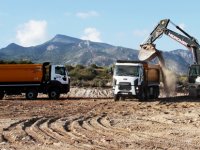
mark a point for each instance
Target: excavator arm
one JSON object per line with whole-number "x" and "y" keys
{"x": 158, "y": 31}
{"x": 148, "y": 50}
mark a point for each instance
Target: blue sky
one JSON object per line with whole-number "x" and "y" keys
{"x": 118, "y": 22}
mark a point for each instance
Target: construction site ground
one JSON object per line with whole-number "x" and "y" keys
{"x": 89, "y": 119}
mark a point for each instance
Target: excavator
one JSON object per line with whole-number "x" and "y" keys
{"x": 148, "y": 52}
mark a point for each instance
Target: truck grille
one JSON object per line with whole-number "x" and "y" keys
{"x": 125, "y": 86}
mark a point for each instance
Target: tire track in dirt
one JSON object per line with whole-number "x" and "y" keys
{"x": 110, "y": 125}
{"x": 16, "y": 132}
{"x": 83, "y": 132}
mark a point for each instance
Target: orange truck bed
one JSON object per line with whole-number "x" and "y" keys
{"x": 21, "y": 73}
{"x": 152, "y": 73}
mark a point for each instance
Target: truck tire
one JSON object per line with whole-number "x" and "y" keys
{"x": 142, "y": 96}
{"x": 1, "y": 95}
{"x": 116, "y": 97}
{"x": 54, "y": 93}
{"x": 154, "y": 93}
{"x": 31, "y": 94}
{"x": 157, "y": 92}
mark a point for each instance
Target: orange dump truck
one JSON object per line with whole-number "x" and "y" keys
{"x": 32, "y": 79}
{"x": 135, "y": 79}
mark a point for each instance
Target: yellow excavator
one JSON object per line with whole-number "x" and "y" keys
{"x": 148, "y": 51}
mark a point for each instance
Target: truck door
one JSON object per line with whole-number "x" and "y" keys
{"x": 59, "y": 73}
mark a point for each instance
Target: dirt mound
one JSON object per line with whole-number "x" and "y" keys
{"x": 90, "y": 92}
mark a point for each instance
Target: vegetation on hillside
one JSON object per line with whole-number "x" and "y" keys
{"x": 90, "y": 76}
{"x": 16, "y": 62}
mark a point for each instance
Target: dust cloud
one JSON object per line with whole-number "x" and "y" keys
{"x": 169, "y": 81}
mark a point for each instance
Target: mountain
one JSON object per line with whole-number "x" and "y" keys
{"x": 68, "y": 50}
{"x": 178, "y": 60}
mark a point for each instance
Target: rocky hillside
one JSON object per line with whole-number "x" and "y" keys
{"x": 68, "y": 50}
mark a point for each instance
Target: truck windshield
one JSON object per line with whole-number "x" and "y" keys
{"x": 121, "y": 70}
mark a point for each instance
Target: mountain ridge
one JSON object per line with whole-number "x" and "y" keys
{"x": 62, "y": 49}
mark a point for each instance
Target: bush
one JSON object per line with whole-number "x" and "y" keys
{"x": 92, "y": 76}
{"x": 79, "y": 67}
{"x": 16, "y": 62}
{"x": 69, "y": 67}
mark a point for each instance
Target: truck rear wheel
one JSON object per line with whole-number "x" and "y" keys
{"x": 1, "y": 95}
{"x": 54, "y": 93}
{"x": 31, "y": 94}
{"x": 154, "y": 92}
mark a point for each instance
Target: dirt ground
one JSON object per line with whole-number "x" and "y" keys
{"x": 89, "y": 119}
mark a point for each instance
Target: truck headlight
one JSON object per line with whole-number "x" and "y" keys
{"x": 136, "y": 89}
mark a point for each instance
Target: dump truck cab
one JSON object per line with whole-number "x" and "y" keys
{"x": 59, "y": 73}
{"x": 131, "y": 79}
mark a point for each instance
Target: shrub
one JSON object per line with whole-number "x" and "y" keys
{"x": 89, "y": 76}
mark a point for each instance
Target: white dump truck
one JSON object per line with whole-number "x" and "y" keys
{"x": 135, "y": 79}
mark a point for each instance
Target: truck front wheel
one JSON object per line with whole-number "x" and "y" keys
{"x": 1, "y": 95}
{"x": 116, "y": 97}
{"x": 54, "y": 93}
{"x": 31, "y": 94}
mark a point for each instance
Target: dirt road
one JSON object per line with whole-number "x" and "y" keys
{"x": 99, "y": 123}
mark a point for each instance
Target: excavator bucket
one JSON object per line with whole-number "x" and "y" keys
{"x": 147, "y": 52}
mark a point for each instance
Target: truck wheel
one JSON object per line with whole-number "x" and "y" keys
{"x": 157, "y": 92}
{"x": 193, "y": 92}
{"x": 31, "y": 94}
{"x": 142, "y": 96}
{"x": 154, "y": 93}
{"x": 1, "y": 95}
{"x": 54, "y": 94}
{"x": 116, "y": 97}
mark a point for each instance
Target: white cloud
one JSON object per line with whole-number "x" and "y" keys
{"x": 140, "y": 33}
{"x": 91, "y": 34}
{"x": 32, "y": 32}
{"x": 85, "y": 15}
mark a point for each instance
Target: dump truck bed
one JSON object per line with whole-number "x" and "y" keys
{"x": 19, "y": 73}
